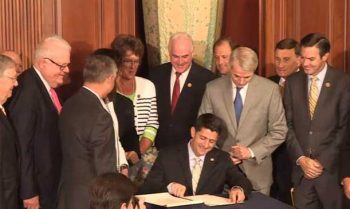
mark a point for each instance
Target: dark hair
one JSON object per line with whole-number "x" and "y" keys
{"x": 124, "y": 43}
{"x": 289, "y": 43}
{"x": 211, "y": 122}
{"x": 227, "y": 39}
{"x": 110, "y": 191}
{"x": 106, "y": 52}
{"x": 97, "y": 68}
{"x": 318, "y": 40}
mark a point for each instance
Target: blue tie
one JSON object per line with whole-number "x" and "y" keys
{"x": 238, "y": 104}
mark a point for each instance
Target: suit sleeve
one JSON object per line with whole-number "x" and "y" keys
{"x": 103, "y": 145}
{"x": 277, "y": 128}
{"x": 155, "y": 181}
{"x": 206, "y": 106}
{"x": 236, "y": 178}
{"x": 294, "y": 148}
{"x": 23, "y": 113}
{"x": 341, "y": 130}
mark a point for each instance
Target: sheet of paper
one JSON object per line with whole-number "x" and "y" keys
{"x": 211, "y": 200}
{"x": 168, "y": 200}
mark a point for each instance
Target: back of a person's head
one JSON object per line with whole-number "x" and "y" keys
{"x": 111, "y": 191}
{"x": 97, "y": 68}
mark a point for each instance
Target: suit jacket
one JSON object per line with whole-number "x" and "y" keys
{"x": 174, "y": 128}
{"x": 321, "y": 137}
{"x": 9, "y": 166}
{"x": 88, "y": 147}
{"x": 35, "y": 119}
{"x": 172, "y": 165}
{"x": 262, "y": 125}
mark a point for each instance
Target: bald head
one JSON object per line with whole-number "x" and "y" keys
{"x": 16, "y": 58}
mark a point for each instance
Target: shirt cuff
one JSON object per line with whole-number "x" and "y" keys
{"x": 297, "y": 161}
{"x": 150, "y": 133}
{"x": 238, "y": 187}
{"x": 252, "y": 155}
{"x": 169, "y": 187}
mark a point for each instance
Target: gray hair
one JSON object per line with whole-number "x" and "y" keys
{"x": 246, "y": 58}
{"x": 180, "y": 35}
{"x": 46, "y": 48}
{"x": 98, "y": 68}
{"x": 6, "y": 63}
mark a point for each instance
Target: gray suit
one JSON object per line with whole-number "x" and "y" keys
{"x": 262, "y": 126}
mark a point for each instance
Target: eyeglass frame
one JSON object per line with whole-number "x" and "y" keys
{"x": 130, "y": 62}
{"x": 61, "y": 67}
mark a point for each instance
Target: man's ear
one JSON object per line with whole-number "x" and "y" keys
{"x": 193, "y": 132}
{"x": 325, "y": 57}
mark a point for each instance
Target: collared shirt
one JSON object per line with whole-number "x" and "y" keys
{"x": 320, "y": 78}
{"x": 46, "y": 84}
{"x": 242, "y": 92}
{"x": 120, "y": 153}
{"x": 192, "y": 157}
{"x": 99, "y": 98}
{"x": 182, "y": 79}
{"x": 2, "y": 109}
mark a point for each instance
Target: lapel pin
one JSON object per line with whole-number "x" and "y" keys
{"x": 189, "y": 85}
{"x": 212, "y": 159}
{"x": 328, "y": 84}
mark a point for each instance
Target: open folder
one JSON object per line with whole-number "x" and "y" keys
{"x": 167, "y": 200}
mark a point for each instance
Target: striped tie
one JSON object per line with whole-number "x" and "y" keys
{"x": 196, "y": 172}
{"x": 313, "y": 96}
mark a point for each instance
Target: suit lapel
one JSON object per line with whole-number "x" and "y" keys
{"x": 45, "y": 94}
{"x": 250, "y": 99}
{"x": 185, "y": 165}
{"x": 228, "y": 100}
{"x": 209, "y": 164}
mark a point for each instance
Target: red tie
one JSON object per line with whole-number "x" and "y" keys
{"x": 176, "y": 92}
{"x": 55, "y": 100}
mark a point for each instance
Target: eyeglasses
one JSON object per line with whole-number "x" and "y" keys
{"x": 129, "y": 62}
{"x": 62, "y": 67}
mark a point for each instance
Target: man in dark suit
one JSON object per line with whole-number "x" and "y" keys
{"x": 9, "y": 174}
{"x": 87, "y": 134}
{"x": 34, "y": 111}
{"x": 175, "y": 168}
{"x": 287, "y": 61}
{"x": 180, "y": 85}
{"x": 345, "y": 172}
{"x": 317, "y": 110}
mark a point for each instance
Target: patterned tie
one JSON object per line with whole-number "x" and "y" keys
{"x": 196, "y": 173}
{"x": 176, "y": 92}
{"x": 282, "y": 85}
{"x": 55, "y": 100}
{"x": 313, "y": 96}
{"x": 238, "y": 104}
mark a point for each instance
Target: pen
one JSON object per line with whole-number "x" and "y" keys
{"x": 184, "y": 198}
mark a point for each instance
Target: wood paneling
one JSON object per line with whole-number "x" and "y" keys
{"x": 24, "y": 23}
{"x": 296, "y": 18}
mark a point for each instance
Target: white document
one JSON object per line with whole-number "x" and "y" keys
{"x": 167, "y": 200}
{"x": 211, "y": 200}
